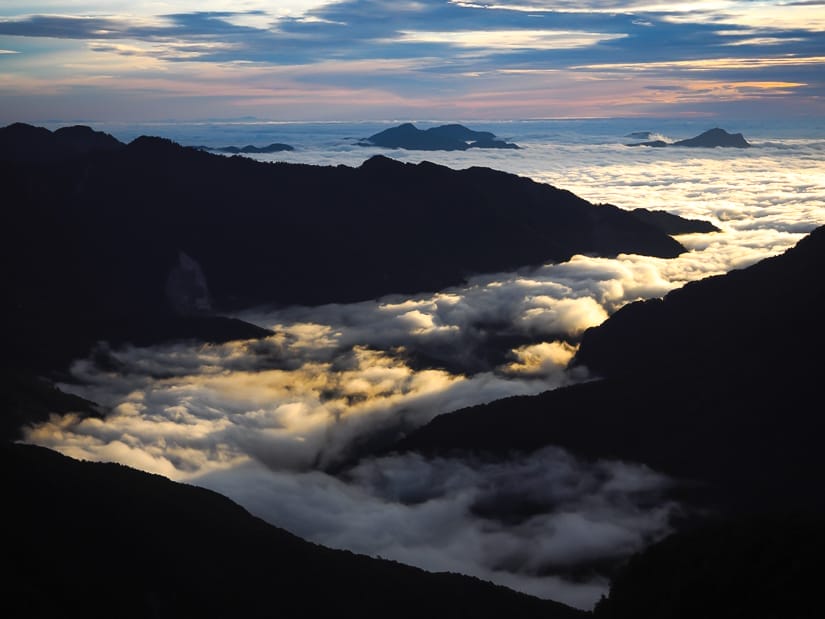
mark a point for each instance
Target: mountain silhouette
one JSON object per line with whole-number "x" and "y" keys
{"x": 23, "y": 142}
{"x": 444, "y": 137}
{"x": 746, "y": 567}
{"x": 709, "y": 139}
{"x": 100, "y": 234}
{"x": 102, "y": 540}
{"x": 275, "y": 147}
{"x": 674, "y": 224}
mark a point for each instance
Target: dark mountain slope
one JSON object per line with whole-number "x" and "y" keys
{"x": 765, "y": 319}
{"x": 750, "y": 567}
{"x": 674, "y": 224}
{"x": 718, "y": 384}
{"x": 91, "y": 243}
{"x": 102, "y": 540}
{"x": 26, "y": 399}
{"x": 22, "y": 142}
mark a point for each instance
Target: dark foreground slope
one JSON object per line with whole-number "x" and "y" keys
{"x": 309, "y": 234}
{"x": 762, "y": 320}
{"x": 751, "y": 567}
{"x": 718, "y": 384}
{"x": 102, "y": 540}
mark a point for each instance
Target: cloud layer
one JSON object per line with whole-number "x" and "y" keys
{"x": 546, "y": 524}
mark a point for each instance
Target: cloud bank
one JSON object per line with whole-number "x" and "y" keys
{"x": 546, "y": 524}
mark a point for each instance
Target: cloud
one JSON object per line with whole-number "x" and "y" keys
{"x": 508, "y": 39}
{"x": 541, "y": 358}
{"x": 542, "y": 523}
{"x": 304, "y": 398}
{"x": 369, "y": 29}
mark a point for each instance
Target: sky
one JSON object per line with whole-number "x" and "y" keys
{"x": 98, "y": 60}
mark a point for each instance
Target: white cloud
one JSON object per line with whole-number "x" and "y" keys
{"x": 509, "y": 39}
{"x": 470, "y": 516}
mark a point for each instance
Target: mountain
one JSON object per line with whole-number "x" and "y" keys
{"x": 715, "y": 137}
{"x": 673, "y": 224}
{"x": 730, "y": 324}
{"x": 716, "y": 385}
{"x": 275, "y": 147}
{"x": 27, "y": 399}
{"x": 102, "y": 540}
{"x": 747, "y": 567}
{"x": 22, "y": 142}
{"x": 444, "y": 137}
{"x": 709, "y": 139}
{"x": 136, "y": 242}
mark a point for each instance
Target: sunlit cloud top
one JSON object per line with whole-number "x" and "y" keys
{"x": 121, "y": 60}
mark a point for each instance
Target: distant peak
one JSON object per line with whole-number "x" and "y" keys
{"x": 708, "y": 139}
{"x": 146, "y": 142}
{"x": 377, "y": 162}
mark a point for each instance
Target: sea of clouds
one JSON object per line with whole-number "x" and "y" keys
{"x": 295, "y": 426}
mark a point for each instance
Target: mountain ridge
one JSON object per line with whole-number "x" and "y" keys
{"x": 187, "y": 551}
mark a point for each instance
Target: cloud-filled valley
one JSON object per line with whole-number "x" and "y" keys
{"x": 293, "y": 425}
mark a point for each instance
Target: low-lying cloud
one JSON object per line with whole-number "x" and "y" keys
{"x": 291, "y": 404}
{"x": 546, "y": 524}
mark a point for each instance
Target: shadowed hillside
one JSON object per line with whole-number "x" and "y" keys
{"x": 750, "y": 567}
{"x": 103, "y": 540}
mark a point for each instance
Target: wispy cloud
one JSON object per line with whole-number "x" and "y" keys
{"x": 509, "y": 39}
{"x": 712, "y": 64}
{"x": 439, "y": 47}
{"x": 542, "y": 523}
